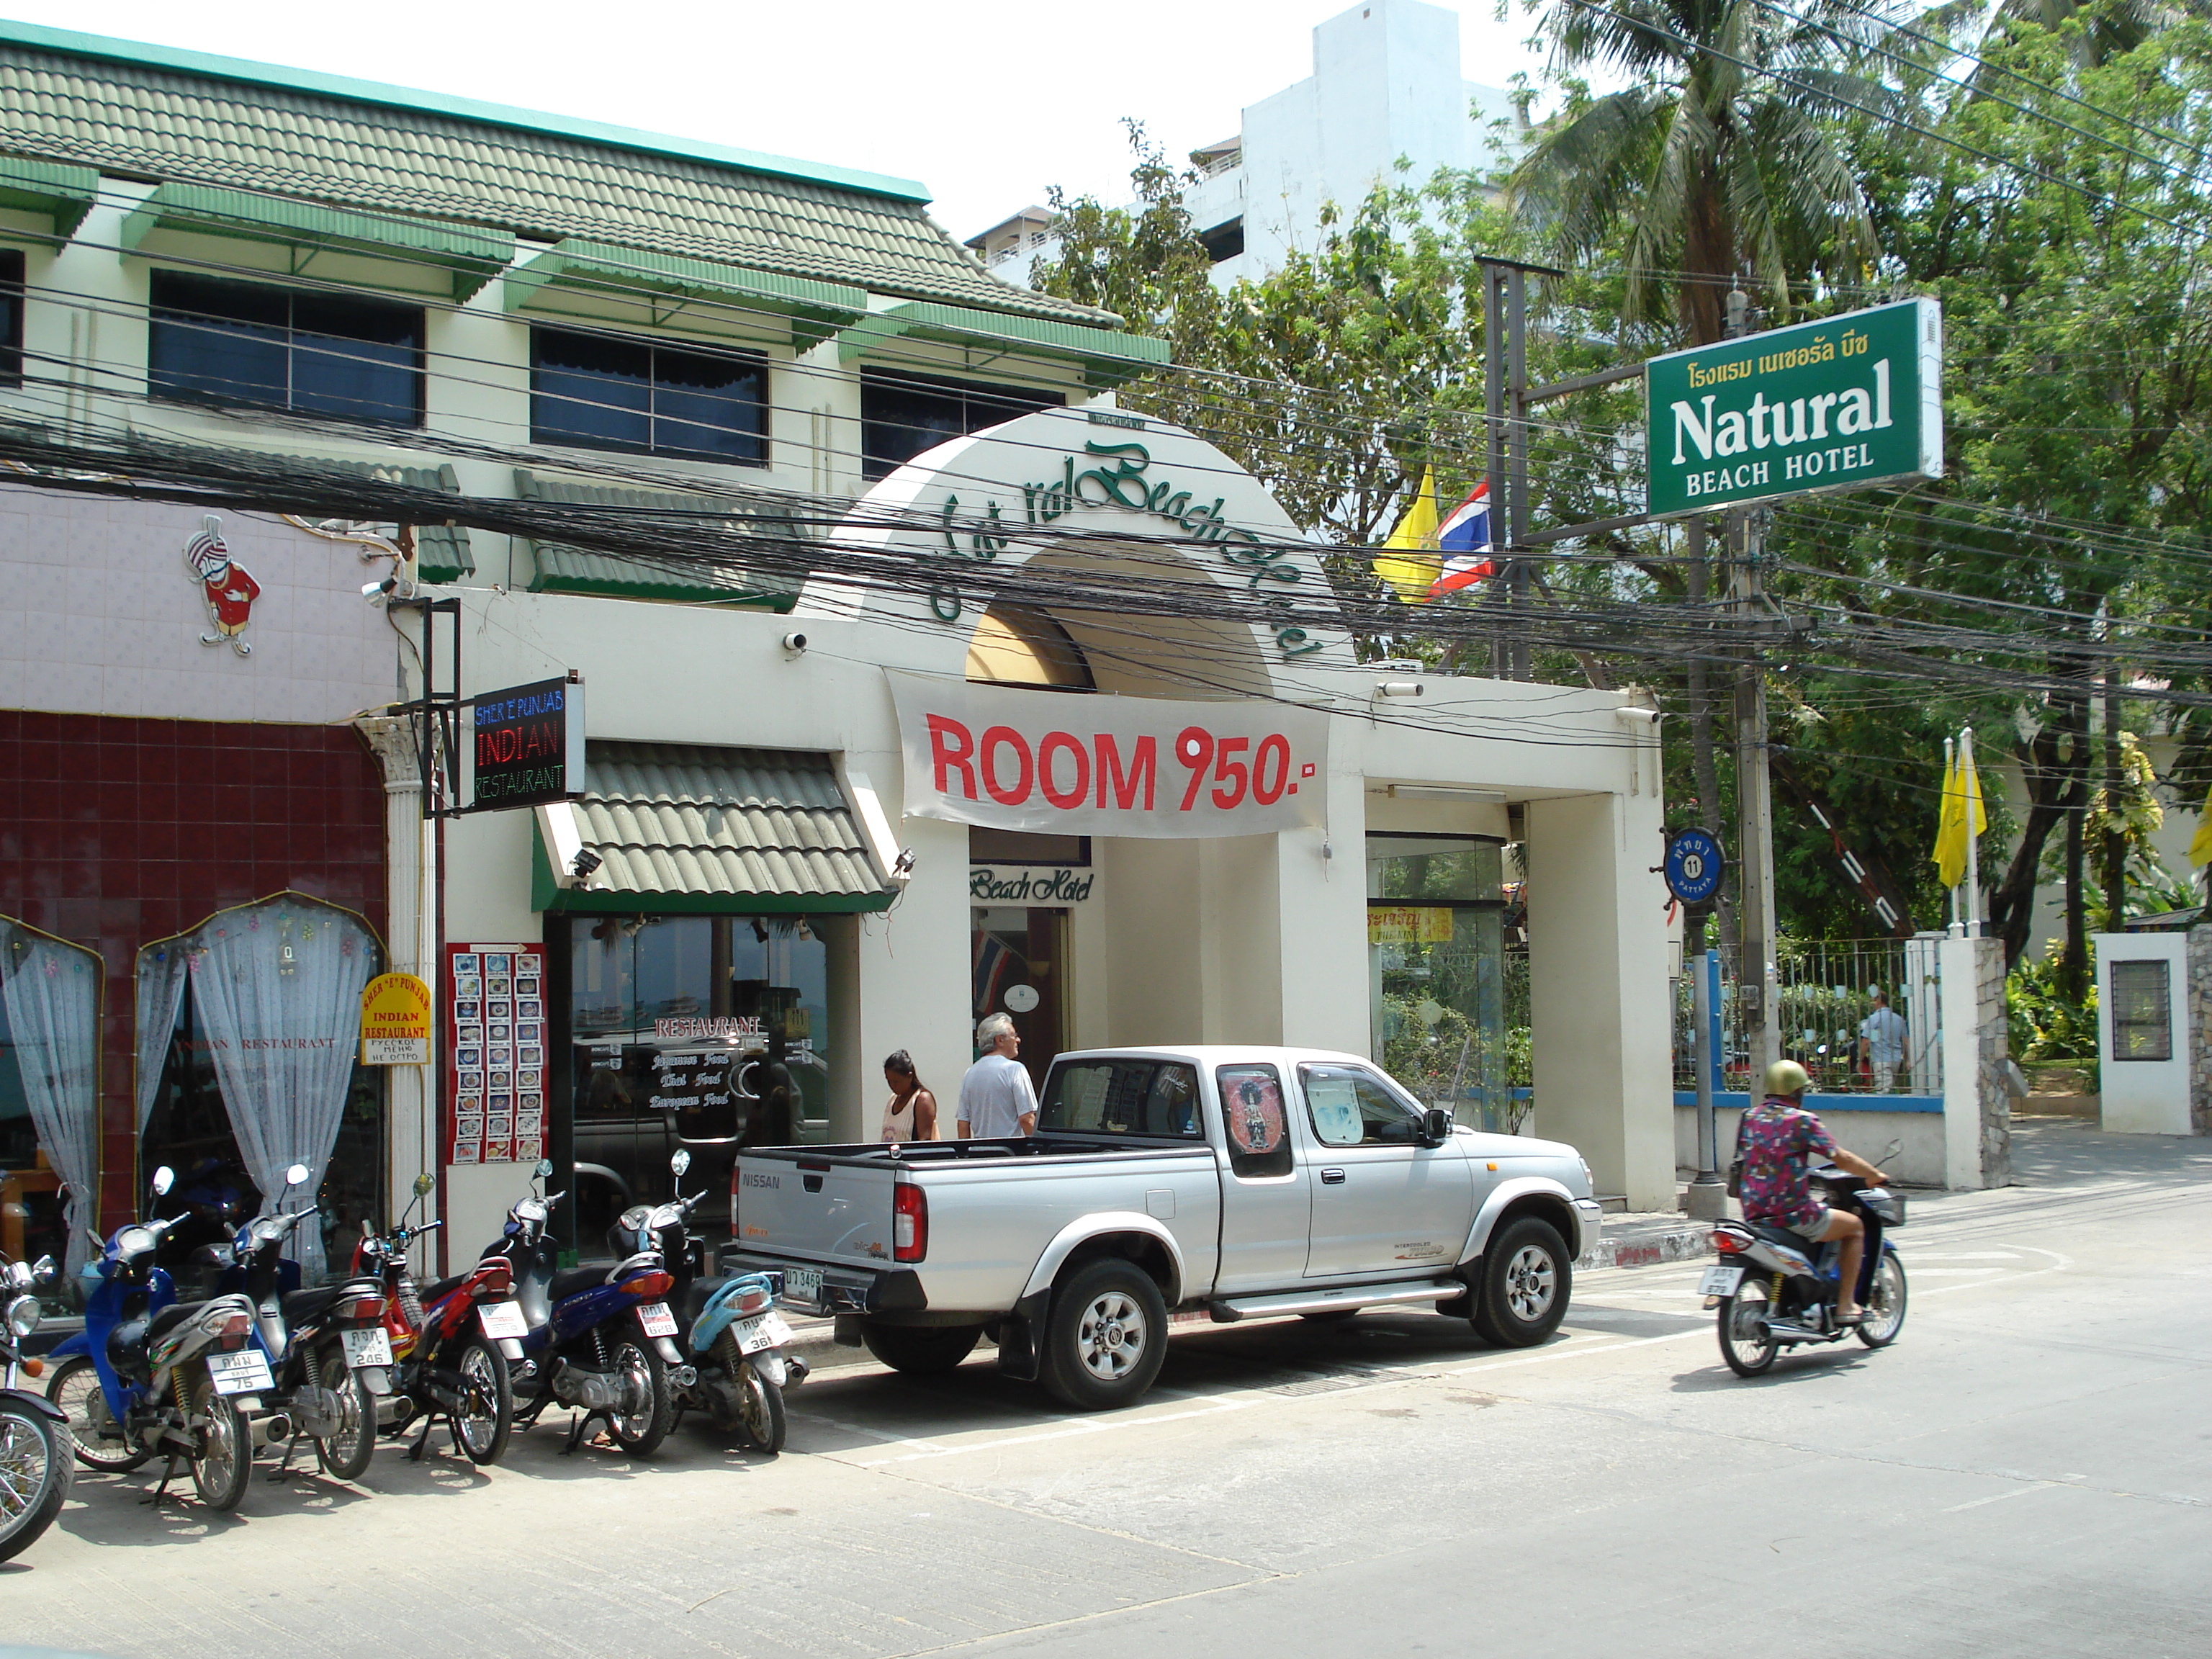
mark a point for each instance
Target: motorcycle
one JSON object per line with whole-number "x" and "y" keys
{"x": 150, "y": 1374}
{"x": 325, "y": 1346}
{"x": 737, "y": 1337}
{"x": 1775, "y": 1289}
{"x": 35, "y": 1466}
{"x": 455, "y": 1340}
{"x": 600, "y": 1341}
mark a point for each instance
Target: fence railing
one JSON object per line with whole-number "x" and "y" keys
{"x": 1823, "y": 996}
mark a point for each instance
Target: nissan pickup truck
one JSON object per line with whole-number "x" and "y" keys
{"x": 1232, "y": 1181}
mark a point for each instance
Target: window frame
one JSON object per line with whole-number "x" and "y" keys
{"x": 1061, "y": 1067}
{"x": 749, "y": 356}
{"x": 2162, "y": 1027}
{"x": 418, "y": 370}
{"x": 15, "y": 282}
{"x": 1390, "y": 1090}
{"x": 874, "y": 469}
{"x": 1238, "y": 1159}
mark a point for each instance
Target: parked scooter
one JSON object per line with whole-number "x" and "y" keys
{"x": 455, "y": 1342}
{"x": 1775, "y": 1289}
{"x": 35, "y": 1465}
{"x": 325, "y": 1346}
{"x": 150, "y": 1374}
{"x": 600, "y": 1342}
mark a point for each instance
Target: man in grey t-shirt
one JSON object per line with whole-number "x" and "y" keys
{"x": 1881, "y": 1038}
{"x": 995, "y": 1097}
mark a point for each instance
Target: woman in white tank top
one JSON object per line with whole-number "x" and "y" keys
{"x": 911, "y": 1112}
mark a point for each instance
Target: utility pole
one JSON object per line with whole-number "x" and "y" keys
{"x": 1505, "y": 400}
{"x": 2116, "y": 846}
{"x": 1754, "y": 786}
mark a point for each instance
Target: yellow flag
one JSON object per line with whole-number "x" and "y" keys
{"x": 1417, "y": 563}
{"x": 1961, "y": 818}
{"x": 2200, "y": 844}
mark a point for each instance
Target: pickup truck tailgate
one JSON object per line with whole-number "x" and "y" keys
{"x": 815, "y": 1209}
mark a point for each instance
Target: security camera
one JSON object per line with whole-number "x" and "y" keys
{"x": 795, "y": 644}
{"x": 584, "y": 863}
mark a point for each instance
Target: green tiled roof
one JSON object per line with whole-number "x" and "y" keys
{"x": 562, "y": 570}
{"x": 150, "y": 113}
{"x": 815, "y": 308}
{"x": 1107, "y": 359}
{"x": 52, "y": 187}
{"x": 732, "y": 830}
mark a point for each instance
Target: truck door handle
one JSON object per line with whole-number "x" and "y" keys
{"x": 1332, "y": 1177}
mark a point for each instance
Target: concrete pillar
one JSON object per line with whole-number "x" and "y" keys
{"x": 2197, "y": 1009}
{"x": 1977, "y": 1037}
{"x": 410, "y": 1132}
{"x": 1598, "y": 995}
{"x": 914, "y": 981}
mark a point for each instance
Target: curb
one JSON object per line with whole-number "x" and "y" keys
{"x": 1676, "y": 1244}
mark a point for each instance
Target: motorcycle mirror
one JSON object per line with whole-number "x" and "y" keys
{"x": 544, "y": 1167}
{"x": 164, "y": 1178}
{"x": 424, "y": 1184}
{"x": 681, "y": 1161}
{"x": 295, "y": 1174}
{"x": 44, "y": 1270}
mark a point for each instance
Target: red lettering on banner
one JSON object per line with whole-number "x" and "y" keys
{"x": 1226, "y": 770}
{"x": 944, "y": 755}
{"x": 1144, "y": 768}
{"x": 1263, "y": 791}
{"x": 1005, "y": 737}
{"x": 1194, "y": 747}
{"x": 1066, "y": 799}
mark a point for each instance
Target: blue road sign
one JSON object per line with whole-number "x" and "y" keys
{"x": 1694, "y": 865}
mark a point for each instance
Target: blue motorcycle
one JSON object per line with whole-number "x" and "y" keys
{"x": 149, "y": 1375}
{"x": 600, "y": 1339}
{"x": 34, "y": 1449}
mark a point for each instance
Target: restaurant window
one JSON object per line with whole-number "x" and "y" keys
{"x": 248, "y": 1041}
{"x": 700, "y": 1032}
{"x": 11, "y": 317}
{"x": 50, "y": 995}
{"x": 597, "y": 392}
{"x": 1436, "y": 958}
{"x": 221, "y": 342}
{"x": 902, "y": 415}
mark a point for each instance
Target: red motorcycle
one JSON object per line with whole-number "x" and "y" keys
{"x": 452, "y": 1341}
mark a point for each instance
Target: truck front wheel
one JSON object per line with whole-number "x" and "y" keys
{"x": 921, "y": 1349}
{"x": 1526, "y": 1279}
{"x": 1105, "y": 1337}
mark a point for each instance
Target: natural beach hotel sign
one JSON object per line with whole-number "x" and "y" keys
{"x": 1065, "y": 764}
{"x": 1841, "y": 403}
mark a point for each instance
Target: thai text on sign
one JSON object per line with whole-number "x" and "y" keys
{"x": 1144, "y": 767}
{"x": 1409, "y": 924}
{"x": 395, "y": 1021}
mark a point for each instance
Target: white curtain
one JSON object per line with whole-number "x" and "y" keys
{"x": 51, "y": 991}
{"x": 160, "y": 989}
{"x": 279, "y": 990}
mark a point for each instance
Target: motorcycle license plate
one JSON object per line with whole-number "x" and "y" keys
{"x": 503, "y": 1319}
{"x": 765, "y": 1330}
{"x": 1720, "y": 1280}
{"x": 245, "y": 1372}
{"x": 659, "y": 1321}
{"x": 370, "y": 1348}
{"x": 802, "y": 1284}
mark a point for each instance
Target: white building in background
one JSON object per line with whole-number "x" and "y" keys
{"x": 1386, "y": 87}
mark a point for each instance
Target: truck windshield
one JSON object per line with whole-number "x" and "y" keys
{"x": 1150, "y": 1097}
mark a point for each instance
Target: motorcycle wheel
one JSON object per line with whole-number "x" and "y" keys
{"x": 94, "y": 1434}
{"x": 225, "y": 1462}
{"x": 346, "y": 1453}
{"x": 760, "y": 1409}
{"x": 1885, "y": 1297}
{"x": 483, "y": 1428}
{"x": 1744, "y": 1343}
{"x": 34, "y": 1475}
{"x": 636, "y": 1359}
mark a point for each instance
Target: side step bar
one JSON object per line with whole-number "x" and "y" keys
{"x": 1229, "y": 1311}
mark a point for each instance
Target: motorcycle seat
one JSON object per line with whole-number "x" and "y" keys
{"x": 573, "y": 1281}
{"x": 696, "y": 1296}
{"x": 169, "y": 1318}
{"x": 304, "y": 1307}
{"x": 1783, "y": 1236}
{"x": 440, "y": 1289}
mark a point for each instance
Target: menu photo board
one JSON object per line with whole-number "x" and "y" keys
{"x": 496, "y": 1076}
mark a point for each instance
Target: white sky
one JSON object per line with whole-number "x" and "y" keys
{"x": 984, "y": 101}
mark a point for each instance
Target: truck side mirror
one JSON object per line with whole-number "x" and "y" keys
{"x": 1436, "y": 1126}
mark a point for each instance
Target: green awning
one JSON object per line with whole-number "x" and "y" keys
{"x": 56, "y": 188}
{"x": 686, "y": 829}
{"x": 815, "y": 310}
{"x": 564, "y": 570}
{"x": 473, "y": 257}
{"x": 1109, "y": 359}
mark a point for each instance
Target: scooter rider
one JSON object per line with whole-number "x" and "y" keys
{"x": 1776, "y": 1141}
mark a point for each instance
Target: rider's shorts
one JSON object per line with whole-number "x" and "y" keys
{"x": 1812, "y": 1231}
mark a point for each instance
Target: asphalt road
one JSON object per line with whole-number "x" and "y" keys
{"x": 2028, "y": 1471}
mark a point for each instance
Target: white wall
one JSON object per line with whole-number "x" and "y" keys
{"x": 2141, "y": 1097}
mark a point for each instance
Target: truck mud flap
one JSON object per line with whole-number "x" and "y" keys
{"x": 1020, "y": 1336}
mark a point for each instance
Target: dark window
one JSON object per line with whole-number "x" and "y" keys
{"x": 1021, "y": 846}
{"x": 1252, "y": 1112}
{"x": 602, "y": 394}
{"x": 11, "y": 317}
{"x": 319, "y": 354}
{"x": 2143, "y": 1011}
{"x": 902, "y": 415}
{"x": 1122, "y": 1098}
{"x": 1224, "y": 241}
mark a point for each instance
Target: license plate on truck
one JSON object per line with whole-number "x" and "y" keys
{"x": 803, "y": 1285}
{"x": 1720, "y": 1279}
{"x": 245, "y": 1372}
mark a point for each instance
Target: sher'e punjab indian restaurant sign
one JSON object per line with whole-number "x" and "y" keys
{"x": 1841, "y": 403}
{"x": 523, "y": 746}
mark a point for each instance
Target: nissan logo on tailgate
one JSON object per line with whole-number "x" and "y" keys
{"x": 752, "y": 1179}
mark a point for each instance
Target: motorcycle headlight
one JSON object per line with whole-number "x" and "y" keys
{"x": 23, "y": 1314}
{"x": 135, "y": 1241}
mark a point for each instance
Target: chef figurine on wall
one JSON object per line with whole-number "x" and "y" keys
{"x": 230, "y": 593}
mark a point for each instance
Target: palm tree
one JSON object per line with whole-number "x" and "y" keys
{"x": 1711, "y": 168}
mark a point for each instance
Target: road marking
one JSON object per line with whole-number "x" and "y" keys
{"x": 1999, "y": 1497}
{"x": 1090, "y": 1426}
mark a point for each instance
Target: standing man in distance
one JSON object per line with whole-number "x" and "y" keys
{"x": 1881, "y": 1038}
{"x": 996, "y": 1098}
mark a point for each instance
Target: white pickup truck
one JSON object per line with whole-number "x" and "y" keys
{"x": 1234, "y": 1180}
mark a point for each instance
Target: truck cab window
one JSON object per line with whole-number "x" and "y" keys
{"x": 1252, "y": 1113}
{"x": 1148, "y": 1097}
{"x": 1352, "y": 1108}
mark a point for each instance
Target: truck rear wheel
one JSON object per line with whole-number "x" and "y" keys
{"x": 922, "y": 1349}
{"x": 1105, "y": 1337}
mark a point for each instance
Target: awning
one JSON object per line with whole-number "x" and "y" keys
{"x": 816, "y": 310}
{"x": 57, "y": 188}
{"x": 564, "y": 570}
{"x": 473, "y": 257}
{"x": 1108, "y": 358}
{"x": 688, "y": 830}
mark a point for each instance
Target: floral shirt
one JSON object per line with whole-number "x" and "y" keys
{"x": 1774, "y": 1143}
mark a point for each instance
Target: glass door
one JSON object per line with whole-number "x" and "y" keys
{"x": 1019, "y": 955}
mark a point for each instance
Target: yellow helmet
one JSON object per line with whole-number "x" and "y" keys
{"x": 1787, "y": 1077}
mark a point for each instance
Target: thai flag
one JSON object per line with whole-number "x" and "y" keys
{"x": 1464, "y": 540}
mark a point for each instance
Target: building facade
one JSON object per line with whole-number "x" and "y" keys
{"x": 241, "y": 294}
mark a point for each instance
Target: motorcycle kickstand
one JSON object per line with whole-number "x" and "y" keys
{"x": 422, "y": 1440}
{"x": 578, "y": 1425}
{"x": 169, "y": 1473}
